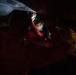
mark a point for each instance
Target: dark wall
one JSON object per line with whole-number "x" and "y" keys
{"x": 53, "y": 8}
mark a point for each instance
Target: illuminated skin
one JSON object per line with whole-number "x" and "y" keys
{"x": 33, "y": 16}
{"x": 39, "y": 26}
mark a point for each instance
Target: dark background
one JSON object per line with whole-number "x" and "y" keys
{"x": 58, "y": 9}
{"x": 63, "y": 12}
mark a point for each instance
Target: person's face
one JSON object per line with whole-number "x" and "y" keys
{"x": 33, "y": 16}
{"x": 39, "y": 26}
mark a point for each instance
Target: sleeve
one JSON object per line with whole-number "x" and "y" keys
{"x": 32, "y": 39}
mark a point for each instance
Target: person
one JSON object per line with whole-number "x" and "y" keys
{"x": 35, "y": 20}
{"x": 40, "y": 37}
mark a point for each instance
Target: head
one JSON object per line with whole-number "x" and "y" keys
{"x": 40, "y": 25}
{"x": 20, "y": 22}
{"x": 33, "y": 16}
